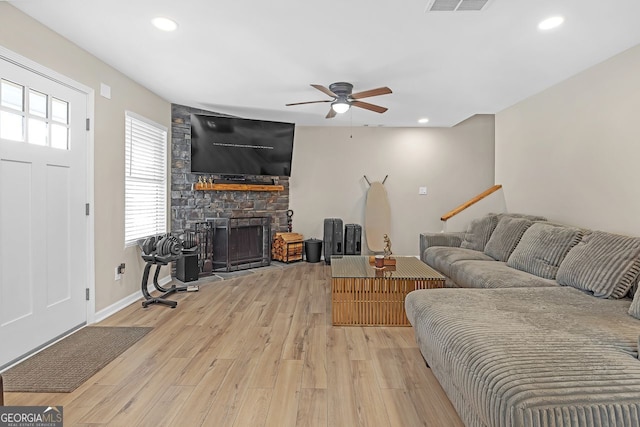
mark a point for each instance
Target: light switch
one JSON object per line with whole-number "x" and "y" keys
{"x": 105, "y": 91}
{"x": 422, "y": 191}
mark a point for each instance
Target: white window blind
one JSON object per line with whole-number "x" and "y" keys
{"x": 145, "y": 178}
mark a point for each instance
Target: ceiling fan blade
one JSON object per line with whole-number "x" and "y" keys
{"x": 367, "y": 106}
{"x": 331, "y": 114}
{"x": 373, "y": 92}
{"x": 308, "y": 102}
{"x": 325, "y": 90}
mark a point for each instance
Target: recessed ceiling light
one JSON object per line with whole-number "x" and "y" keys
{"x": 164, "y": 24}
{"x": 550, "y": 23}
{"x": 423, "y": 120}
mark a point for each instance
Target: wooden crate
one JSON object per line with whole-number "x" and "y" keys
{"x": 287, "y": 247}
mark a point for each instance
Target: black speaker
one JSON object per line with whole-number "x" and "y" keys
{"x": 187, "y": 268}
{"x": 333, "y": 241}
{"x": 352, "y": 239}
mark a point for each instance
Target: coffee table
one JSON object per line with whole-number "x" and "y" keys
{"x": 362, "y": 295}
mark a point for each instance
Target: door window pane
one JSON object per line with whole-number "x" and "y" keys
{"x": 60, "y": 111}
{"x": 37, "y": 132}
{"x": 11, "y": 95}
{"x": 32, "y": 116}
{"x": 59, "y": 136}
{"x": 37, "y": 104}
{"x": 11, "y": 126}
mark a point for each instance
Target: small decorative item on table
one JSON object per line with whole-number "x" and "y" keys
{"x": 387, "y": 261}
{"x": 387, "y": 246}
{"x": 379, "y": 261}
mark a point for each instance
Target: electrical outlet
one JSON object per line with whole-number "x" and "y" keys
{"x": 118, "y": 275}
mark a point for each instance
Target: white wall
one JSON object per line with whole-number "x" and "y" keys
{"x": 571, "y": 152}
{"x": 329, "y": 165}
{"x": 24, "y": 35}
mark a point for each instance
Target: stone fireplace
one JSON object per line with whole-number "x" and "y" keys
{"x": 189, "y": 206}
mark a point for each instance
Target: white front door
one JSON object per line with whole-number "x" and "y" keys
{"x": 43, "y": 226}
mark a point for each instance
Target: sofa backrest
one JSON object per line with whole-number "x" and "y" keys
{"x": 604, "y": 264}
{"x": 543, "y": 247}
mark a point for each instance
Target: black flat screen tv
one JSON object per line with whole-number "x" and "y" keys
{"x": 235, "y": 146}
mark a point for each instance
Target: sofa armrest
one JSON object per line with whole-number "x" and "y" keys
{"x": 450, "y": 239}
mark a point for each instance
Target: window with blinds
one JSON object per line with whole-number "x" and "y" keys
{"x": 145, "y": 178}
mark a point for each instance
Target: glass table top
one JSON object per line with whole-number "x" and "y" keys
{"x": 359, "y": 266}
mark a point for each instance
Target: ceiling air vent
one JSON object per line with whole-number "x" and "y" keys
{"x": 456, "y": 5}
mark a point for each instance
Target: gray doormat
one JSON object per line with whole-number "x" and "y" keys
{"x": 64, "y": 366}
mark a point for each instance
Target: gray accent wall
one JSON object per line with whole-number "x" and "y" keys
{"x": 571, "y": 152}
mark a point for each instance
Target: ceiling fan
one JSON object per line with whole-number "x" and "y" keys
{"x": 343, "y": 99}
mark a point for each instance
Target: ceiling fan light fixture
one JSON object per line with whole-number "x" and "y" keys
{"x": 340, "y": 106}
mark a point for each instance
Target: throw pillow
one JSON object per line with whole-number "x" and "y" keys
{"x": 505, "y": 237}
{"x": 603, "y": 263}
{"x": 543, "y": 247}
{"x": 479, "y": 232}
{"x": 634, "y": 309}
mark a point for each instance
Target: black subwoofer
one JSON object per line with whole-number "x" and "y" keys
{"x": 187, "y": 268}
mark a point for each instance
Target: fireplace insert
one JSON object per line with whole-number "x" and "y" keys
{"x": 231, "y": 244}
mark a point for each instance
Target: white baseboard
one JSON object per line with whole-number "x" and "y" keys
{"x": 126, "y": 301}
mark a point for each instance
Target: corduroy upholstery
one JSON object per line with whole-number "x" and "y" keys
{"x": 442, "y": 258}
{"x": 505, "y": 237}
{"x": 634, "y": 308}
{"x": 603, "y": 263}
{"x": 479, "y": 232}
{"x": 543, "y": 247}
{"x": 495, "y": 274}
{"x": 530, "y": 357}
{"x": 428, "y": 240}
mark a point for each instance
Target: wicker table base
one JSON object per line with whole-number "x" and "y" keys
{"x": 364, "y": 296}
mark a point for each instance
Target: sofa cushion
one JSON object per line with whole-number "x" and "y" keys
{"x": 505, "y": 237}
{"x": 530, "y": 356}
{"x": 479, "y": 232}
{"x": 442, "y": 257}
{"x": 496, "y": 274}
{"x": 603, "y": 263}
{"x": 634, "y": 309}
{"x": 543, "y": 247}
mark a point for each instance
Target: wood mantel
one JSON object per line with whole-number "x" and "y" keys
{"x": 237, "y": 187}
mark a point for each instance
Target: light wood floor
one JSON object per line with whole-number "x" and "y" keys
{"x": 258, "y": 350}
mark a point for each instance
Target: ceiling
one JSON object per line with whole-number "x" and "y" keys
{"x": 249, "y": 58}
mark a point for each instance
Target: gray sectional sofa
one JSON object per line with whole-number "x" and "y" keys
{"x": 538, "y": 326}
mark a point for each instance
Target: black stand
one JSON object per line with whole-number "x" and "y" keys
{"x": 159, "y": 261}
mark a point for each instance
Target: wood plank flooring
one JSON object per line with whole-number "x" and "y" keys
{"x": 257, "y": 350}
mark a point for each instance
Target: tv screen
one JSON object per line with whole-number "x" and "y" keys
{"x": 234, "y": 146}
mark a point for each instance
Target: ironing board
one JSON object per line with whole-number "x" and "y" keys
{"x": 377, "y": 217}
